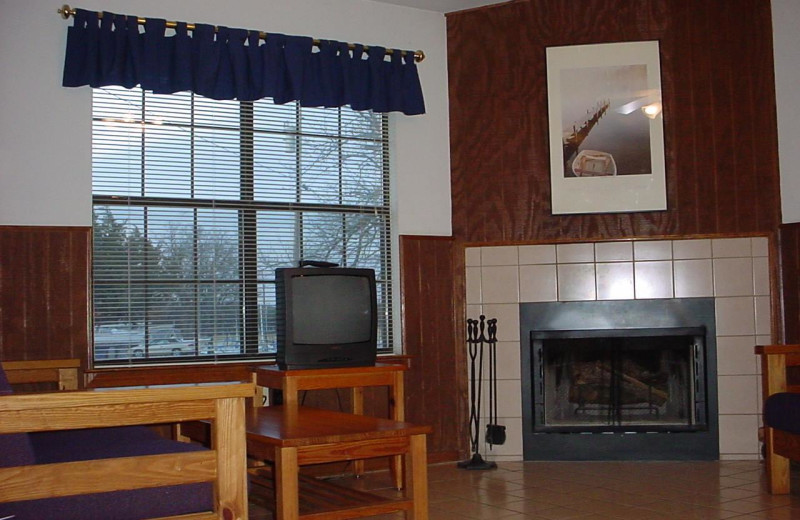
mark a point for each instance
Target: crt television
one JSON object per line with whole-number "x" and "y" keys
{"x": 326, "y": 317}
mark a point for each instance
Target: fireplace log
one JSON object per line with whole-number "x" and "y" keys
{"x": 641, "y": 384}
{"x": 591, "y": 383}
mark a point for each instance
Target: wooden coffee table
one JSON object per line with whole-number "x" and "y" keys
{"x": 294, "y": 436}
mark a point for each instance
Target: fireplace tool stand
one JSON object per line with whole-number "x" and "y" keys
{"x": 476, "y": 340}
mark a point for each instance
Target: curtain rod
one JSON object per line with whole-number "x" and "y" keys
{"x": 66, "y": 11}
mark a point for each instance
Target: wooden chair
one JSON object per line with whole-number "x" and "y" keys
{"x": 223, "y": 466}
{"x": 781, "y": 413}
{"x": 65, "y": 373}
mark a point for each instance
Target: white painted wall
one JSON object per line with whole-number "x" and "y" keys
{"x": 45, "y": 141}
{"x": 785, "y": 21}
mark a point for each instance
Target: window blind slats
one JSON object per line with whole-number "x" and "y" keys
{"x": 196, "y": 202}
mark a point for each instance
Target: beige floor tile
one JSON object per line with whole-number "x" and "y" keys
{"x": 561, "y": 513}
{"x": 594, "y": 491}
{"x": 473, "y": 510}
{"x": 743, "y": 506}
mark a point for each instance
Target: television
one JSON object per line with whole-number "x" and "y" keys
{"x": 326, "y": 317}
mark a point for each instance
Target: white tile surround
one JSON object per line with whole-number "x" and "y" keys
{"x": 735, "y": 271}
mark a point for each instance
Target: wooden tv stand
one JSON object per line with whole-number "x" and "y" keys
{"x": 356, "y": 378}
{"x": 291, "y": 382}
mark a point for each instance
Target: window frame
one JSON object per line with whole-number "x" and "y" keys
{"x": 248, "y": 208}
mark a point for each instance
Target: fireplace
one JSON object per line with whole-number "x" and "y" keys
{"x": 620, "y": 380}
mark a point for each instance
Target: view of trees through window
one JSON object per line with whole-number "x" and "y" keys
{"x": 196, "y": 202}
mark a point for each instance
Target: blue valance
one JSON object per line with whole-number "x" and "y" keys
{"x": 226, "y": 63}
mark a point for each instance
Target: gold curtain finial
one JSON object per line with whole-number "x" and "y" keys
{"x": 66, "y": 11}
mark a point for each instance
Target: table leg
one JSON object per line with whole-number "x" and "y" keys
{"x": 357, "y": 401}
{"x": 417, "y": 478}
{"x": 258, "y": 393}
{"x": 397, "y": 413}
{"x": 290, "y": 392}
{"x": 287, "y": 488}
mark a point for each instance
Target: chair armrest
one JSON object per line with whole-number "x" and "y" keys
{"x": 774, "y": 359}
{"x": 115, "y": 407}
{"x": 777, "y": 349}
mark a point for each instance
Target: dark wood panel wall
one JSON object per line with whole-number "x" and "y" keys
{"x": 789, "y": 242}
{"x": 44, "y": 292}
{"x": 436, "y": 385}
{"x": 719, "y": 116}
{"x": 44, "y": 314}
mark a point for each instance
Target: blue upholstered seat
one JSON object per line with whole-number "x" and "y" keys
{"x": 782, "y": 412}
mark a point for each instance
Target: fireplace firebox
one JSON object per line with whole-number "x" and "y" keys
{"x": 619, "y": 380}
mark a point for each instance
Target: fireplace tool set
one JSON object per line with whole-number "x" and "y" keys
{"x": 477, "y": 341}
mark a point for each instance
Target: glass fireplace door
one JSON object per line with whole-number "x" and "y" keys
{"x": 618, "y": 381}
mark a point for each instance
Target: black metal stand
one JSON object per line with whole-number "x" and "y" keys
{"x": 476, "y": 341}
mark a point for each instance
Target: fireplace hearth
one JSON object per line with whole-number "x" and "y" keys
{"x": 619, "y": 380}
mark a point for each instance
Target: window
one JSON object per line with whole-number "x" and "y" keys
{"x": 196, "y": 202}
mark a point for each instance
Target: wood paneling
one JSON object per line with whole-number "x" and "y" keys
{"x": 44, "y": 292}
{"x": 433, "y": 294}
{"x": 790, "y": 288}
{"x": 719, "y": 117}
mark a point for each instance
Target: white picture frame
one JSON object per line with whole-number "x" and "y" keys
{"x": 606, "y": 128}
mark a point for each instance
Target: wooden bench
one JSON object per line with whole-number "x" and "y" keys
{"x": 223, "y": 466}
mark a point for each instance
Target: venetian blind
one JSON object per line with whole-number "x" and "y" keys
{"x": 197, "y": 201}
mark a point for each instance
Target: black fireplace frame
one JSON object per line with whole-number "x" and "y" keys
{"x": 631, "y": 316}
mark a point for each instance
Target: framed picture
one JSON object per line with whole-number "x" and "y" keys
{"x": 606, "y": 128}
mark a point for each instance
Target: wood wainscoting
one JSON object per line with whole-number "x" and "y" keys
{"x": 789, "y": 244}
{"x": 44, "y": 306}
{"x": 433, "y": 299}
{"x": 44, "y": 314}
{"x": 44, "y": 292}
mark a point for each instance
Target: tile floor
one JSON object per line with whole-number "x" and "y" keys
{"x": 595, "y": 491}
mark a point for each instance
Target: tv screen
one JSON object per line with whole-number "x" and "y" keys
{"x": 326, "y": 317}
{"x": 331, "y": 309}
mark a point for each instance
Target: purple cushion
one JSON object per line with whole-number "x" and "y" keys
{"x": 100, "y": 443}
{"x": 15, "y": 448}
{"x": 103, "y": 443}
{"x": 117, "y": 505}
{"x": 782, "y": 412}
{"x": 5, "y": 386}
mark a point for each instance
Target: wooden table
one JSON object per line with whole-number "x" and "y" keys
{"x": 291, "y": 382}
{"x": 294, "y": 436}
